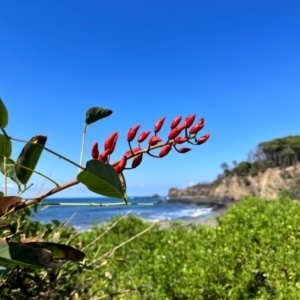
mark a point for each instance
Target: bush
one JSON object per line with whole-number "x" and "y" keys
{"x": 254, "y": 253}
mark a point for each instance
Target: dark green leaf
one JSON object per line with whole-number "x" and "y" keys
{"x": 96, "y": 113}
{"x": 3, "y": 115}
{"x": 10, "y": 170}
{"x": 59, "y": 251}
{"x": 102, "y": 179}
{"x": 29, "y": 157}
{"x": 5, "y": 146}
{"x": 1, "y": 194}
{"x": 37, "y": 254}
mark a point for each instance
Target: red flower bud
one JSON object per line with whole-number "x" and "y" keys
{"x": 113, "y": 145}
{"x": 189, "y": 121}
{"x": 143, "y": 136}
{"x": 154, "y": 140}
{"x": 137, "y": 160}
{"x": 103, "y": 156}
{"x": 196, "y": 128}
{"x": 165, "y": 150}
{"x": 203, "y": 139}
{"x": 175, "y": 132}
{"x": 159, "y": 124}
{"x": 109, "y": 141}
{"x": 95, "y": 150}
{"x": 184, "y": 150}
{"x": 201, "y": 121}
{"x": 121, "y": 165}
{"x": 128, "y": 153}
{"x": 132, "y": 132}
{"x": 175, "y": 122}
{"x": 180, "y": 140}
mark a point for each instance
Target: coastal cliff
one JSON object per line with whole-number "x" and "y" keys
{"x": 265, "y": 184}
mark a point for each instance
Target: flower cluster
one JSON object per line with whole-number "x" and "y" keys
{"x": 174, "y": 138}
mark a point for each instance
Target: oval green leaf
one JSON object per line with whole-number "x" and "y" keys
{"x": 29, "y": 157}
{"x": 5, "y": 146}
{"x": 96, "y": 113}
{"x": 101, "y": 179}
{"x": 3, "y": 115}
{"x": 9, "y": 170}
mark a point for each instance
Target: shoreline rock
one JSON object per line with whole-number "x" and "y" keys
{"x": 216, "y": 202}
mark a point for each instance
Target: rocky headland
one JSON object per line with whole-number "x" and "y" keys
{"x": 229, "y": 189}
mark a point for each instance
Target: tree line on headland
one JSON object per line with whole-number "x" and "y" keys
{"x": 280, "y": 152}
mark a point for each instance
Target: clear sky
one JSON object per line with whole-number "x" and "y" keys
{"x": 235, "y": 63}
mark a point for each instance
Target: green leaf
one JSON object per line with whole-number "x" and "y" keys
{"x": 37, "y": 254}
{"x": 10, "y": 170}
{"x": 102, "y": 179}
{"x": 96, "y": 113}
{"x": 29, "y": 157}
{"x": 3, "y": 115}
{"x": 5, "y": 146}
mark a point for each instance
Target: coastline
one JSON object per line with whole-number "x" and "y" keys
{"x": 219, "y": 206}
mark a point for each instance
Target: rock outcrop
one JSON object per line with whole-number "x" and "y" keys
{"x": 265, "y": 185}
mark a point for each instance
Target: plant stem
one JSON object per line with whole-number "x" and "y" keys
{"x": 57, "y": 185}
{"x": 82, "y": 146}
{"x": 49, "y": 150}
{"x": 5, "y": 177}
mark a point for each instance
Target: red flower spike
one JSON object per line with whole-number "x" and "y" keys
{"x": 165, "y": 150}
{"x": 159, "y": 124}
{"x": 95, "y": 150}
{"x": 196, "y": 128}
{"x": 154, "y": 140}
{"x": 128, "y": 153}
{"x": 132, "y": 132}
{"x": 109, "y": 141}
{"x": 180, "y": 140}
{"x": 114, "y": 142}
{"x": 121, "y": 165}
{"x": 137, "y": 160}
{"x": 103, "y": 156}
{"x": 184, "y": 150}
{"x": 189, "y": 121}
{"x": 175, "y": 122}
{"x": 203, "y": 139}
{"x": 118, "y": 169}
{"x": 143, "y": 136}
{"x": 201, "y": 121}
{"x": 175, "y": 132}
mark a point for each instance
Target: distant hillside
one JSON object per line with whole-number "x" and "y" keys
{"x": 273, "y": 166}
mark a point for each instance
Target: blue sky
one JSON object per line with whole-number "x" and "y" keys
{"x": 235, "y": 63}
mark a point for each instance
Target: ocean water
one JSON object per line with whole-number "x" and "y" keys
{"x": 82, "y": 217}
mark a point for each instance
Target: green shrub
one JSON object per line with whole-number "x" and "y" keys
{"x": 254, "y": 253}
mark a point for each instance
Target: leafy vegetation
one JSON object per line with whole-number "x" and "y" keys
{"x": 254, "y": 253}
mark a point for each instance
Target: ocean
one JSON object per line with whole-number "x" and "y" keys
{"x": 150, "y": 209}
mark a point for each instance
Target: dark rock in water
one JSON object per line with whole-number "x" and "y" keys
{"x": 216, "y": 202}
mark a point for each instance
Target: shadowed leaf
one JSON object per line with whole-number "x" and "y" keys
{"x": 38, "y": 254}
{"x": 96, "y": 113}
{"x": 29, "y": 157}
{"x": 5, "y": 146}
{"x": 102, "y": 179}
{"x": 8, "y": 202}
{"x": 3, "y": 115}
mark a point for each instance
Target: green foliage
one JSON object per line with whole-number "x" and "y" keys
{"x": 102, "y": 179}
{"x": 254, "y": 253}
{"x": 29, "y": 157}
{"x": 95, "y": 114}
